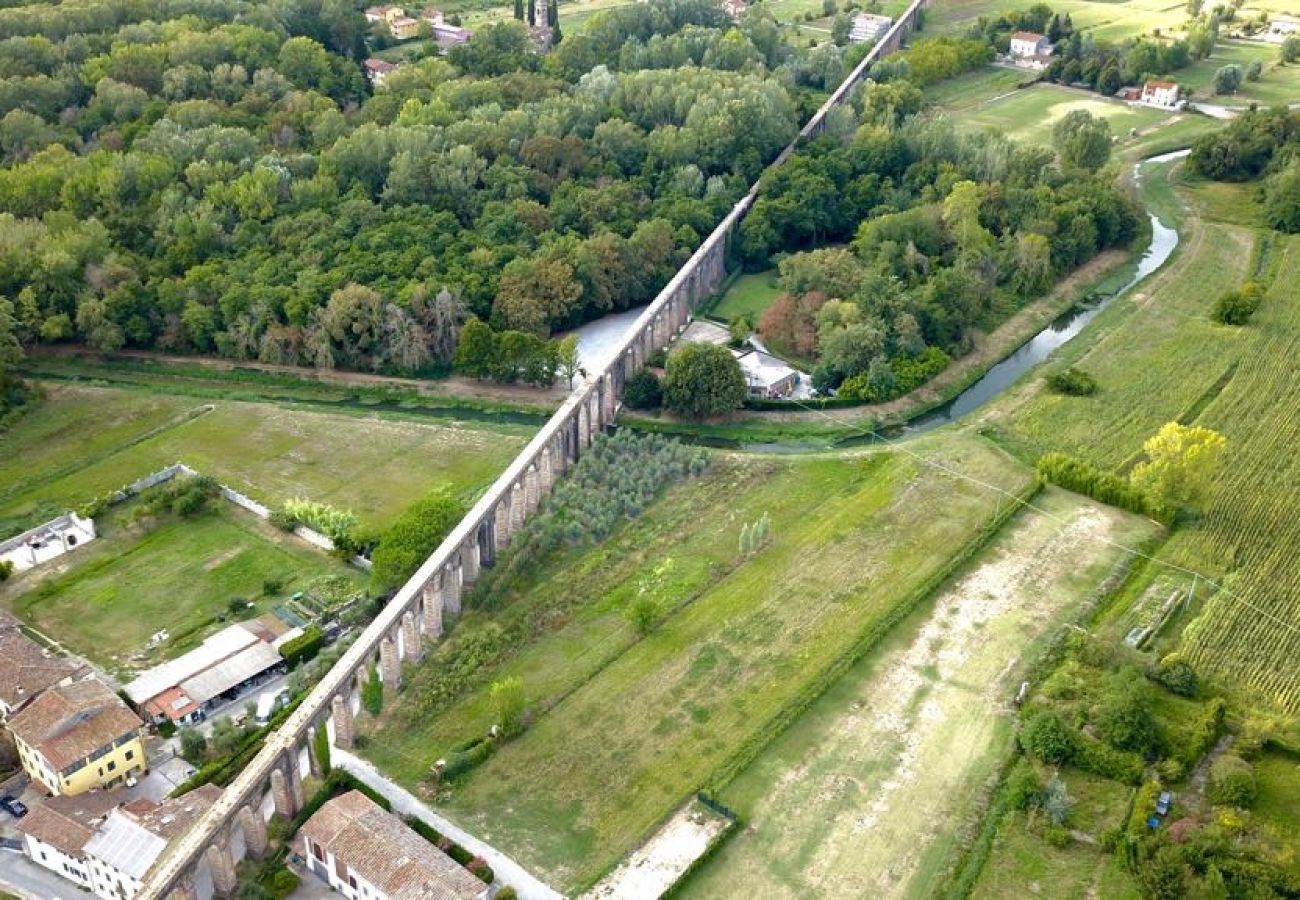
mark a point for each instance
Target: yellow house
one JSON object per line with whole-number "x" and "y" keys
{"x": 80, "y": 736}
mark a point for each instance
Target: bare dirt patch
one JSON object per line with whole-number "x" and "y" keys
{"x": 657, "y": 865}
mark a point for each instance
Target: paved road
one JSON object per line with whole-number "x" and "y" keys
{"x": 19, "y": 875}
{"x": 404, "y": 803}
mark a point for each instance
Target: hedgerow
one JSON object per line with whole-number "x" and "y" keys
{"x": 1082, "y": 477}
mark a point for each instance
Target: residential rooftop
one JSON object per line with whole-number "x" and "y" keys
{"x": 68, "y": 723}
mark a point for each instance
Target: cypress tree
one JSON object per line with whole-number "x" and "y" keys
{"x": 519, "y": 10}
{"x": 553, "y": 17}
{"x": 532, "y": 12}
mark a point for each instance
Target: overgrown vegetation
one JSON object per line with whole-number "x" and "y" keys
{"x": 411, "y": 539}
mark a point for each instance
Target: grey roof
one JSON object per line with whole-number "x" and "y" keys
{"x": 126, "y": 845}
{"x": 230, "y": 672}
{"x": 215, "y": 648}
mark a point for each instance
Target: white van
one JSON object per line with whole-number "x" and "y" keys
{"x": 268, "y": 704}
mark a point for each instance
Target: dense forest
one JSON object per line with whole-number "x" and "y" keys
{"x": 216, "y": 176}
{"x": 898, "y": 240}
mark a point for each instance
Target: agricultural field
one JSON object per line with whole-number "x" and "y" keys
{"x": 862, "y": 797}
{"x": 1029, "y": 115}
{"x": 858, "y": 540}
{"x": 82, "y": 442}
{"x": 104, "y": 600}
{"x": 1278, "y": 84}
{"x": 749, "y": 295}
{"x": 1109, "y": 20}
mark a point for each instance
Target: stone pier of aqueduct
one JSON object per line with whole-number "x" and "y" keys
{"x": 201, "y": 862}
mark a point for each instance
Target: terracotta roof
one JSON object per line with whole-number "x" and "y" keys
{"x": 1032, "y": 36}
{"x": 26, "y": 668}
{"x": 380, "y": 848}
{"x": 172, "y": 703}
{"x": 379, "y": 65}
{"x": 1155, "y": 85}
{"x": 68, "y": 823}
{"x": 66, "y": 724}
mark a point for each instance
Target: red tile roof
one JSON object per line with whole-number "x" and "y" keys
{"x": 66, "y": 724}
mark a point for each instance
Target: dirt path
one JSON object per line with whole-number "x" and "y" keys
{"x": 866, "y": 796}
{"x": 455, "y": 386}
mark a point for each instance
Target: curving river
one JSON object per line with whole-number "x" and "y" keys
{"x": 997, "y": 379}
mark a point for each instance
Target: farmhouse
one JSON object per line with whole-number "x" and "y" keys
{"x": 446, "y": 34}
{"x": 377, "y": 70}
{"x": 77, "y": 737}
{"x": 129, "y": 841}
{"x": 381, "y": 13}
{"x": 868, "y": 27}
{"x": 1025, "y": 44}
{"x": 217, "y": 671}
{"x": 401, "y": 26}
{"x": 1163, "y": 94}
{"x": 735, "y": 8}
{"x": 363, "y": 851}
{"x": 766, "y": 376}
{"x": 27, "y": 668}
{"x": 45, "y": 542}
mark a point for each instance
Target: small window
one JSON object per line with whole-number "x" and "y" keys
{"x": 112, "y": 766}
{"x": 130, "y": 754}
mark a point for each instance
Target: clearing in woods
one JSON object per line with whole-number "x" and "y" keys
{"x": 863, "y": 797}
{"x": 628, "y": 728}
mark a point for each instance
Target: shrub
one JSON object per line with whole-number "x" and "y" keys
{"x": 193, "y": 745}
{"x": 1236, "y": 307}
{"x": 1232, "y": 782}
{"x": 304, "y": 647}
{"x": 1072, "y": 381}
{"x": 1045, "y": 736}
{"x": 643, "y": 613}
{"x": 1123, "y": 714}
{"x": 1082, "y": 477}
{"x": 703, "y": 380}
{"x": 336, "y": 524}
{"x": 1022, "y": 789}
{"x": 507, "y": 893}
{"x": 6, "y": 569}
{"x": 1056, "y": 800}
{"x": 372, "y": 693}
{"x": 1176, "y": 674}
{"x": 509, "y": 704}
{"x": 460, "y": 761}
{"x": 1099, "y": 759}
{"x": 410, "y": 540}
{"x": 643, "y": 391}
{"x": 1057, "y": 835}
{"x": 282, "y": 884}
{"x": 320, "y": 748}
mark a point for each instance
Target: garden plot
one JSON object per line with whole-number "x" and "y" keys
{"x": 867, "y": 795}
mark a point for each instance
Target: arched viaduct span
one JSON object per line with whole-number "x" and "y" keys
{"x": 201, "y": 861}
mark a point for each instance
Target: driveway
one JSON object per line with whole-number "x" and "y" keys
{"x": 404, "y": 803}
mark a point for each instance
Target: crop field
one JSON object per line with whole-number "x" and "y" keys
{"x": 84, "y": 441}
{"x": 631, "y": 727}
{"x": 749, "y": 294}
{"x": 105, "y": 600}
{"x": 1030, "y": 114}
{"x": 863, "y": 796}
{"x": 1110, "y": 20}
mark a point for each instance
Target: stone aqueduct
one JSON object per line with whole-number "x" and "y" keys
{"x": 202, "y": 861}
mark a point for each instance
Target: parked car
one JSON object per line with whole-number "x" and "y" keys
{"x": 1163, "y": 804}
{"x": 13, "y": 806}
{"x": 270, "y": 703}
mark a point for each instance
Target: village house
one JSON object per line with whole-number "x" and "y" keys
{"x": 77, "y": 737}
{"x": 446, "y": 34}
{"x": 735, "y": 8}
{"x": 45, "y": 542}
{"x": 1030, "y": 50}
{"x": 401, "y": 26}
{"x": 366, "y": 853}
{"x": 55, "y": 832}
{"x": 221, "y": 669}
{"x": 1162, "y": 94}
{"x": 376, "y": 14}
{"x": 868, "y": 28}
{"x": 27, "y": 668}
{"x": 377, "y": 70}
{"x": 766, "y": 376}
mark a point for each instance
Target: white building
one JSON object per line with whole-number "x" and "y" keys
{"x": 108, "y": 848}
{"x": 1162, "y": 94}
{"x": 869, "y": 27}
{"x": 367, "y": 853}
{"x": 766, "y": 376}
{"x": 1026, "y": 44}
{"x": 377, "y": 70}
{"x": 446, "y": 34}
{"x": 45, "y": 542}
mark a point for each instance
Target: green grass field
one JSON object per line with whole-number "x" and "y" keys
{"x": 106, "y": 599}
{"x": 1030, "y": 114}
{"x": 1110, "y": 20}
{"x": 862, "y": 796}
{"x": 632, "y": 728}
{"x": 1278, "y": 84}
{"x": 974, "y": 88}
{"x": 750, "y": 294}
{"x": 84, "y": 441}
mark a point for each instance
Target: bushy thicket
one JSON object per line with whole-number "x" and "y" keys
{"x": 1072, "y": 382}
{"x": 615, "y": 479}
{"x": 1236, "y": 307}
{"x": 408, "y": 542}
{"x": 1083, "y": 477}
{"x": 184, "y": 496}
{"x": 336, "y": 524}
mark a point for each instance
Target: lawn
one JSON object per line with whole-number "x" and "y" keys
{"x": 1112, "y": 21}
{"x": 749, "y": 295}
{"x": 1279, "y": 83}
{"x": 856, "y": 537}
{"x": 1030, "y": 114}
{"x": 108, "y": 597}
{"x": 864, "y": 797}
{"x": 973, "y": 88}
{"x": 84, "y": 441}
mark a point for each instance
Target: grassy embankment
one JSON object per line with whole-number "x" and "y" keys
{"x": 631, "y": 727}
